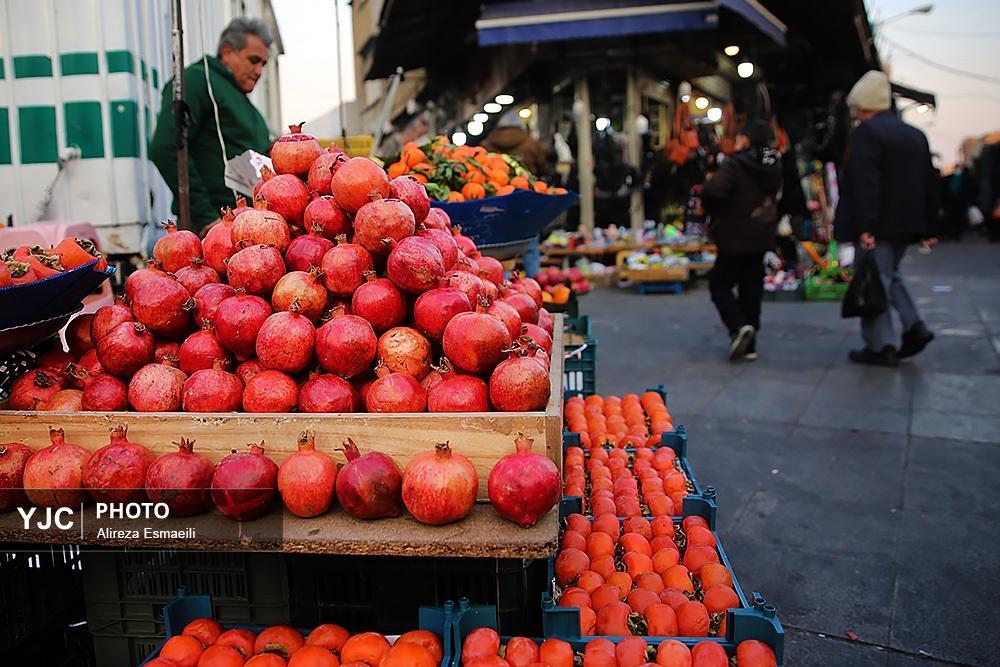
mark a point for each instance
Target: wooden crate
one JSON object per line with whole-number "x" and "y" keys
{"x": 483, "y": 437}
{"x": 660, "y": 275}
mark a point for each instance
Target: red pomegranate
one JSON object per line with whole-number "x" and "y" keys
{"x": 304, "y": 288}
{"x": 530, "y": 287}
{"x": 379, "y": 302}
{"x": 53, "y": 476}
{"x": 244, "y": 484}
{"x": 465, "y": 244}
{"x": 218, "y": 242}
{"x": 270, "y": 391}
{"x": 475, "y": 342}
{"x": 460, "y": 393}
{"x": 157, "y": 387}
{"x": 208, "y": 298}
{"x": 411, "y": 192}
{"x": 116, "y": 473}
{"x": 78, "y": 334}
{"x": 328, "y": 393}
{"x": 125, "y": 349}
{"x": 440, "y": 486}
{"x": 259, "y": 226}
{"x": 405, "y": 350}
{"x": 490, "y": 269}
{"x": 380, "y": 220}
{"x": 323, "y": 168}
{"x": 176, "y": 248}
{"x": 164, "y": 306}
{"x": 107, "y": 318}
{"x": 369, "y": 486}
{"x": 255, "y": 269}
{"x": 539, "y": 335}
{"x": 545, "y": 321}
{"x": 467, "y": 265}
{"x": 325, "y": 213}
{"x": 468, "y": 283}
{"x": 415, "y": 264}
{"x": 201, "y": 349}
{"x": 307, "y": 251}
{"x": 181, "y": 480}
{"x": 212, "y": 390}
{"x": 395, "y": 392}
{"x": 294, "y": 153}
{"x": 65, "y": 400}
{"x": 437, "y": 218}
{"x": 520, "y": 384}
{"x": 508, "y": 315}
{"x": 344, "y": 267}
{"x": 166, "y": 349}
{"x": 153, "y": 269}
{"x": 13, "y": 457}
{"x": 346, "y": 345}
{"x": 34, "y": 389}
{"x": 439, "y": 373}
{"x": 285, "y": 194}
{"x": 286, "y": 341}
{"x": 88, "y": 368}
{"x": 237, "y": 321}
{"x": 523, "y": 304}
{"x": 56, "y": 361}
{"x": 444, "y": 242}
{"x": 307, "y": 479}
{"x": 524, "y": 486}
{"x": 434, "y": 309}
{"x": 196, "y": 275}
{"x": 248, "y": 369}
{"x": 357, "y": 182}
{"x": 105, "y": 393}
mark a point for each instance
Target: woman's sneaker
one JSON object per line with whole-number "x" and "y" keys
{"x": 741, "y": 342}
{"x": 751, "y": 354}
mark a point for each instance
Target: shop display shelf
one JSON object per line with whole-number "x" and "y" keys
{"x": 184, "y": 608}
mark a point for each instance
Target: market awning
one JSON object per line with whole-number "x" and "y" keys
{"x": 919, "y": 96}
{"x": 525, "y": 21}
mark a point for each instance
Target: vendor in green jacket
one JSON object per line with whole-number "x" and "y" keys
{"x": 232, "y": 74}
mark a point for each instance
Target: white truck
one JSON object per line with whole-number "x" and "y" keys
{"x": 80, "y": 90}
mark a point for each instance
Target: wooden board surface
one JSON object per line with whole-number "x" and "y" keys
{"x": 483, "y": 437}
{"x": 483, "y": 534}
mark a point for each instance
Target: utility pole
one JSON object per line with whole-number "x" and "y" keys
{"x": 180, "y": 121}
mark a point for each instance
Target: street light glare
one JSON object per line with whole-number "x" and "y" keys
{"x": 492, "y": 107}
{"x": 504, "y": 99}
{"x": 732, "y": 50}
{"x": 701, "y": 103}
{"x": 745, "y": 70}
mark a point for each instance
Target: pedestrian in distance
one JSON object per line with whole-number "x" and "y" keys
{"x": 741, "y": 200}
{"x": 889, "y": 201}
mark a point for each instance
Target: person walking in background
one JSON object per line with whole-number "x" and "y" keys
{"x": 219, "y": 130}
{"x": 742, "y": 202}
{"x": 511, "y": 137}
{"x": 889, "y": 200}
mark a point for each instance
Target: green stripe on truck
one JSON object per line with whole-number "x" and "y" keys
{"x": 83, "y": 128}
{"x": 120, "y": 61}
{"x": 27, "y": 67}
{"x": 5, "y": 157}
{"x": 124, "y": 128}
{"x": 37, "y": 134}
{"x": 71, "y": 64}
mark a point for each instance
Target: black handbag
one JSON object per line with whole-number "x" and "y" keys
{"x": 865, "y": 296}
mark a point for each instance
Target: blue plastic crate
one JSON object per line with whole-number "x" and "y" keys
{"x": 579, "y": 359}
{"x": 185, "y": 608}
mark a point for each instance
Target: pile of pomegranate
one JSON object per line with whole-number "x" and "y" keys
{"x": 338, "y": 291}
{"x": 438, "y": 486}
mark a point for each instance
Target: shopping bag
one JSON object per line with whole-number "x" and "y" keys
{"x": 865, "y": 296}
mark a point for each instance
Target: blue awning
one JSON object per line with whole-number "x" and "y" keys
{"x": 526, "y": 21}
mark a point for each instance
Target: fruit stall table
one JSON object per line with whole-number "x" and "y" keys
{"x": 483, "y": 437}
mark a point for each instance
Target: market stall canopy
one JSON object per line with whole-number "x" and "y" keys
{"x": 525, "y": 21}
{"x": 919, "y": 96}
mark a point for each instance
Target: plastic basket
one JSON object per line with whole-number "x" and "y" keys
{"x": 49, "y": 297}
{"x": 580, "y": 357}
{"x": 817, "y": 291}
{"x": 125, "y": 593}
{"x": 512, "y": 219}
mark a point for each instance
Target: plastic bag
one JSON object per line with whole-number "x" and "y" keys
{"x": 865, "y": 296}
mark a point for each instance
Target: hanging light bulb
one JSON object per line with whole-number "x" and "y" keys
{"x": 732, "y": 50}
{"x": 458, "y": 138}
{"x": 524, "y": 113}
{"x": 602, "y": 123}
{"x": 492, "y": 107}
{"x": 481, "y": 117}
{"x": 474, "y": 128}
{"x": 714, "y": 114}
{"x": 701, "y": 103}
{"x": 745, "y": 69}
{"x": 504, "y": 99}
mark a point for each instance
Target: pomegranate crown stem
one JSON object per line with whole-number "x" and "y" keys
{"x": 443, "y": 448}
{"x": 254, "y": 448}
{"x": 523, "y": 443}
{"x": 57, "y": 436}
{"x": 350, "y": 449}
{"x": 307, "y": 440}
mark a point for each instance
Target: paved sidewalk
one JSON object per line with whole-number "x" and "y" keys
{"x": 857, "y": 499}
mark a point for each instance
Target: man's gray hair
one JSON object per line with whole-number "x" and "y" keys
{"x": 235, "y": 34}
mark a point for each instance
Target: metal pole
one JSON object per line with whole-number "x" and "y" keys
{"x": 180, "y": 120}
{"x": 340, "y": 74}
{"x": 383, "y": 116}
{"x": 585, "y": 154}
{"x": 633, "y": 105}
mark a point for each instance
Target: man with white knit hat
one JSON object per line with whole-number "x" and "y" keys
{"x": 889, "y": 200}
